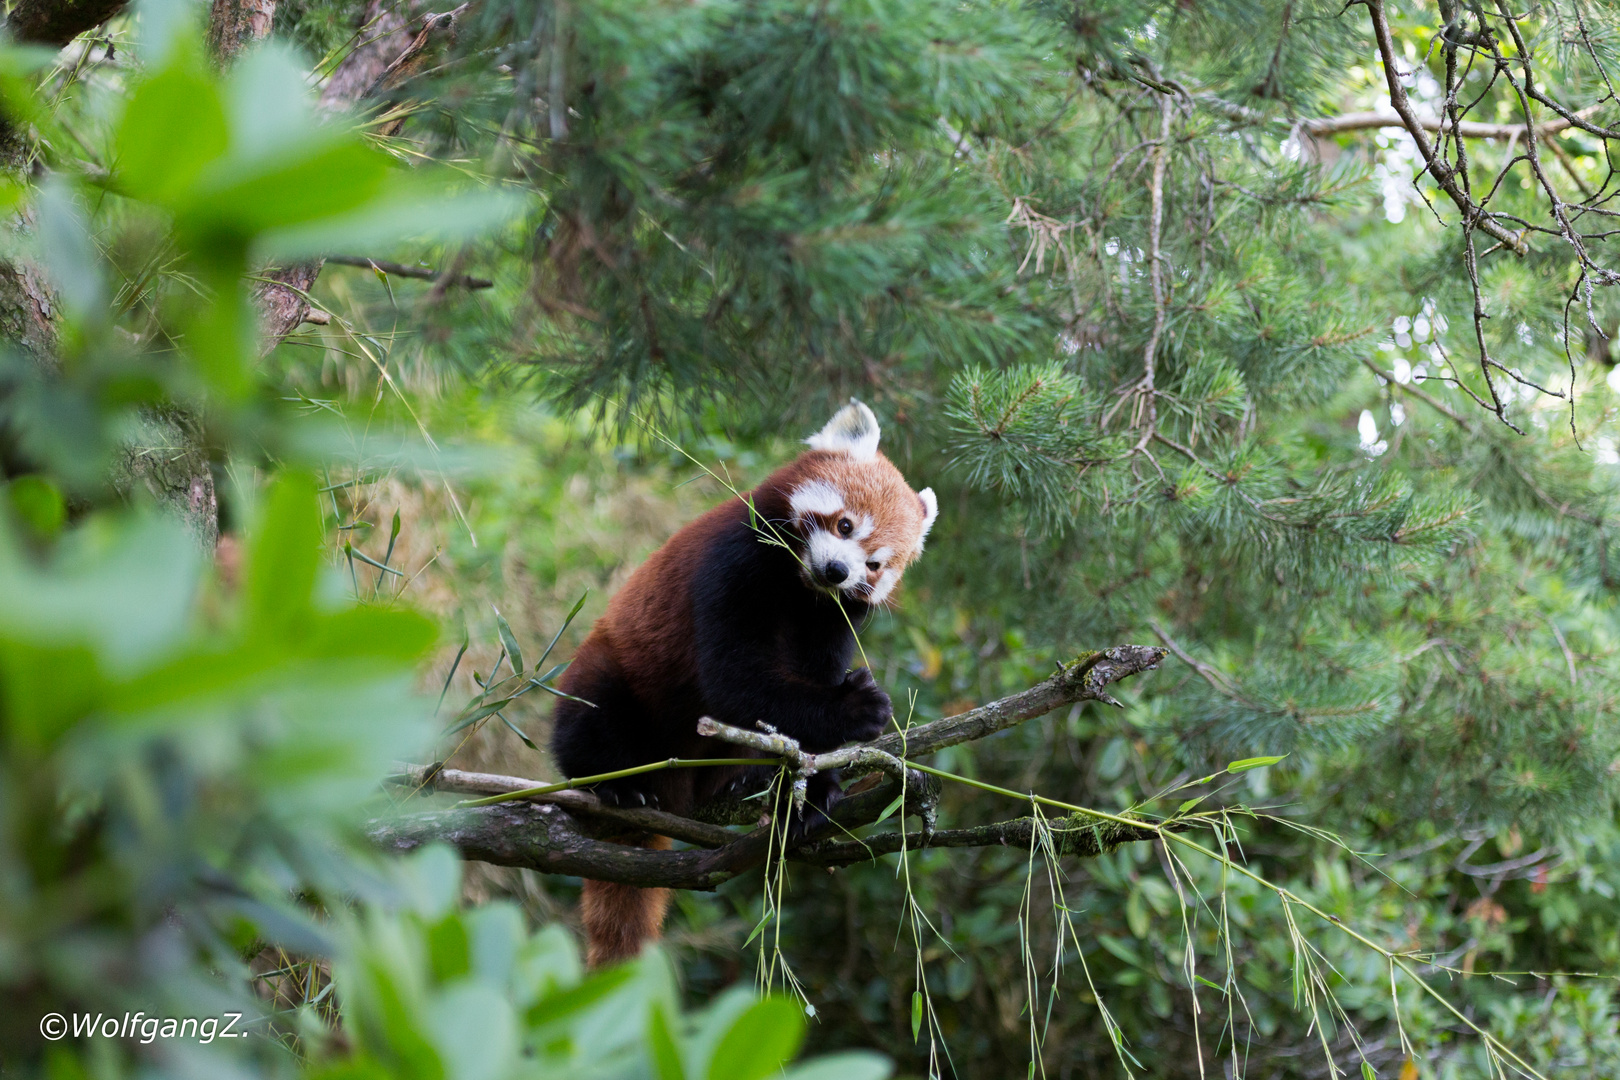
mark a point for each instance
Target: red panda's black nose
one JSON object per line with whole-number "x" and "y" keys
{"x": 834, "y": 572}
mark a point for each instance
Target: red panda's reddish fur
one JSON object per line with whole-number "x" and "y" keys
{"x": 619, "y": 918}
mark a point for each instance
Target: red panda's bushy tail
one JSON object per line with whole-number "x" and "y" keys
{"x": 619, "y": 918}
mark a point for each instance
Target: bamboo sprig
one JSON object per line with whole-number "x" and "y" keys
{"x": 1286, "y": 895}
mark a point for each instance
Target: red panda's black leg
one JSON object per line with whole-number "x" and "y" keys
{"x": 752, "y": 667}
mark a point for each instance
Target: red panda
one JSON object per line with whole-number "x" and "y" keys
{"x": 745, "y": 614}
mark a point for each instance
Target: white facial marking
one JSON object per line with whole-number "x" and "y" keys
{"x": 815, "y": 497}
{"x": 880, "y": 556}
{"x": 853, "y": 430}
{"x": 885, "y": 585}
{"x": 863, "y": 528}
{"x": 930, "y": 512}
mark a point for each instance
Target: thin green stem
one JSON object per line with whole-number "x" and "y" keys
{"x": 584, "y": 781}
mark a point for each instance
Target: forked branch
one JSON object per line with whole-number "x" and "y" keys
{"x": 572, "y": 832}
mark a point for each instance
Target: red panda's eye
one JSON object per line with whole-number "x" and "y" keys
{"x": 845, "y": 526}
{"x": 874, "y": 566}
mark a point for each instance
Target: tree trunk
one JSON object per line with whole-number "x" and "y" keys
{"x": 282, "y": 309}
{"x": 375, "y": 64}
{"x": 28, "y": 312}
{"x": 386, "y": 37}
{"x": 169, "y": 458}
{"x": 233, "y": 25}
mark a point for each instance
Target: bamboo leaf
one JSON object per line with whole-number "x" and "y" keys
{"x": 578, "y": 604}
{"x": 355, "y": 553}
{"x": 452, "y": 674}
{"x": 509, "y": 641}
{"x": 559, "y": 693}
{"x": 1254, "y": 763}
{"x": 518, "y": 732}
{"x": 393, "y": 538}
{"x": 916, "y": 1014}
{"x": 478, "y": 714}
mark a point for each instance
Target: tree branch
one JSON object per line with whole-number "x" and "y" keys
{"x": 1087, "y": 678}
{"x": 418, "y": 778}
{"x": 421, "y": 273}
{"x": 572, "y": 832}
{"x": 1083, "y": 839}
{"x": 547, "y": 838}
{"x": 1468, "y": 129}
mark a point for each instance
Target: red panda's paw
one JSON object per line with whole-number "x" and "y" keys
{"x": 866, "y": 708}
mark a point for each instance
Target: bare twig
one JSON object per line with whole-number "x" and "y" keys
{"x": 1468, "y": 129}
{"x": 1147, "y": 412}
{"x": 1084, "y": 679}
{"x": 421, "y": 273}
{"x": 1216, "y": 678}
{"x": 1443, "y": 173}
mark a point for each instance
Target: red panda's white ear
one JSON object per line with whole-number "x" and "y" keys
{"x": 853, "y": 430}
{"x": 930, "y": 506}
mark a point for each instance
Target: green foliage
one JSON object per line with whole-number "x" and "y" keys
{"x": 175, "y": 776}
{"x": 211, "y": 174}
{"x": 429, "y": 990}
{"x": 1227, "y": 409}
